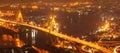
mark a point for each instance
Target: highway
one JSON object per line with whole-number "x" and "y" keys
{"x": 63, "y": 36}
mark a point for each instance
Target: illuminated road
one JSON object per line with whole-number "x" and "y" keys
{"x": 9, "y": 27}
{"x": 90, "y": 44}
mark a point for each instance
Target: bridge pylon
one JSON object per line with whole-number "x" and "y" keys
{"x": 19, "y": 16}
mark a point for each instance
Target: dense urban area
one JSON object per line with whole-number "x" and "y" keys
{"x": 60, "y": 26}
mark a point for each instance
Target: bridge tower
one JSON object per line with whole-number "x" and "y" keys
{"x": 19, "y": 17}
{"x": 52, "y": 25}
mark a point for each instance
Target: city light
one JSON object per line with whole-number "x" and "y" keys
{"x": 34, "y": 7}
{"x": 60, "y": 26}
{"x": 105, "y": 27}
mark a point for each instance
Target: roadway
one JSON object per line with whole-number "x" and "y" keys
{"x": 63, "y": 36}
{"x": 5, "y": 25}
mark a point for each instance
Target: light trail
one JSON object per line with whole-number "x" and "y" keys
{"x": 90, "y": 44}
{"x": 115, "y": 49}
